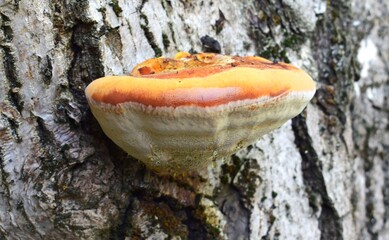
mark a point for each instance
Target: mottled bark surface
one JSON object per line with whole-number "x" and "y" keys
{"x": 323, "y": 175}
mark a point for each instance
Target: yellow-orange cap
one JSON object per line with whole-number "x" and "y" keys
{"x": 194, "y": 81}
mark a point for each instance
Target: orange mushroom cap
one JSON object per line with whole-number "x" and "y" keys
{"x": 203, "y": 80}
{"x": 180, "y": 96}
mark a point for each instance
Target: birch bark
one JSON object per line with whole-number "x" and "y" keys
{"x": 323, "y": 175}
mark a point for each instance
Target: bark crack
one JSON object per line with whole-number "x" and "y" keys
{"x": 46, "y": 69}
{"x": 4, "y": 176}
{"x": 9, "y": 63}
{"x": 50, "y": 155}
{"x": 148, "y": 34}
{"x": 368, "y": 155}
{"x": 124, "y": 226}
{"x": 330, "y": 223}
{"x": 86, "y": 65}
{"x": 30, "y": 226}
{"x": 234, "y": 198}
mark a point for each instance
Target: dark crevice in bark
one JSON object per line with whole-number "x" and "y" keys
{"x": 186, "y": 215}
{"x": 368, "y": 155}
{"x": 116, "y": 7}
{"x": 196, "y": 229}
{"x": 10, "y": 64}
{"x": 191, "y": 218}
{"x": 165, "y": 41}
{"x": 86, "y": 65}
{"x": 233, "y": 199}
{"x": 167, "y": 6}
{"x": 170, "y": 24}
{"x": 125, "y": 224}
{"x": 150, "y": 36}
{"x": 330, "y": 223}
{"x": 46, "y": 69}
{"x": 237, "y": 216}
{"x": 4, "y": 176}
{"x": 268, "y": 236}
{"x": 385, "y": 154}
{"x": 386, "y": 181}
{"x": 68, "y": 112}
{"x": 50, "y": 159}
{"x": 136, "y": 192}
{"x": 172, "y": 218}
{"x": 188, "y": 222}
{"x": 114, "y": 42}
{"x": 16, "y": 4}
{"x": 13, "y": 125}
{"x": 2, "y": 234}
{"x": 30, "y": 226}
{"x": 144, "y": 24}
{"x": 64, "y": 15}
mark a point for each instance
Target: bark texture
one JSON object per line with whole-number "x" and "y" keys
{"x": 323, "y": 175}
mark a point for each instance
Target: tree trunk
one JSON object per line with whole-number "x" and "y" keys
{"x": 323, "y": 175}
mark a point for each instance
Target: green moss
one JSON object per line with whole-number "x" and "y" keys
{"x": 149, "y": 35}
{"x": 292, "y": 41}
{"x": 116, "y": 8}
{"x": 212, "y": 230}
{"x": 275, "y": 51}
{"x": 272, "y": 218}
{"x": 4, "y": 177}
{"x": 287, "y": 207}
{"x": 246, "y": 45}
{"x": 102, "y": 10}
{"x": 250, "y": 178}
{"x": 145, "y": 20}
{"x": 274, "y": 194}
{"x": 165, "y": 41}
{"x": 231, "y": 169}
{"x": 162, "y": 215}
{"x": 172, "y": 31}
{"x": 224, "y": 179}
{"x": 312, "y": 199}
{"x": 265, "y": 25}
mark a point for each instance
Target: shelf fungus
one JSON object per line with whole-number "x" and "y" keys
{"x": 183, "y": 113}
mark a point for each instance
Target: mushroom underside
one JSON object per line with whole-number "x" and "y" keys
{"x": 189, "y": 138}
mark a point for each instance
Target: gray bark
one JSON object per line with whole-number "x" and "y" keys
{"x": 323, "y": 175}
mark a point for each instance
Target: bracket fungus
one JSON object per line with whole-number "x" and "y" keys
{"x": 183, "y": 113}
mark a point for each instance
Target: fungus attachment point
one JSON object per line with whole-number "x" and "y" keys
{"x": 175, "y": 114}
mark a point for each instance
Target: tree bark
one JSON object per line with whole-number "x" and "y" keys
{"x": 323, "y": 175}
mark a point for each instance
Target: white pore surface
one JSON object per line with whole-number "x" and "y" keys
{"x": 191, "y": 137}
